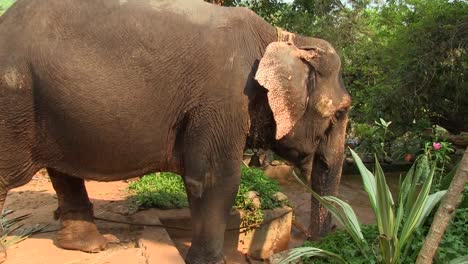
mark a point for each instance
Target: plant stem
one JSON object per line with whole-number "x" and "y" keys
{"x": 444, "y": 212}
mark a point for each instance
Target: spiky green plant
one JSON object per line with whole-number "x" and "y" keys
{"x": 396, "y": 223}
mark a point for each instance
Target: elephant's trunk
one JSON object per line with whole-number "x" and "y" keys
{"x": 325, "y": 175}
{"x": 324, "y": 181}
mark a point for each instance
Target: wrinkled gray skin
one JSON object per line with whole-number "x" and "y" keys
{"x": 108, "y": 90}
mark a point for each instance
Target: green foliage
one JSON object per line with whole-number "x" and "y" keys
{"x": 454, "y": 243}
{"x": 5, "y": 4}
{"x": 439, "y": 154}
{"x": 374, "y": 138}
{"x": 166, "y": 191}
{"x": 254, "y": 179}
{"x": 396, "y": 222}
{"x": 402, "y": 60}
{"x": 341, "y": 242}
{"x": 162, "y": 190}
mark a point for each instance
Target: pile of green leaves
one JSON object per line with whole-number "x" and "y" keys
{"x": 163, "y": 190}
{"x": 166, "y": 190}
{"x": 254, "y": 179}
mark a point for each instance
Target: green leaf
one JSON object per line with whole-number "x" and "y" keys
{"x": 311, "y": 252}
{"x": 367, "y": 178}
{"x": 346, "y": 216}
{"x": 416, "y": 210}
{"x": 349, "y": 214}
{"x": 385, "y": 217}
{"x": 429, "y": 204}
{"x": 459, "y": 260}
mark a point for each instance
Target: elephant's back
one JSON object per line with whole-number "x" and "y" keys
{"x": 113, "y": 78}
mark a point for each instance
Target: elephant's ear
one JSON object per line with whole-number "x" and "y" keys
{"x": 284, "y": 73}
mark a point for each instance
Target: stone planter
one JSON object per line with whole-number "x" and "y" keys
{"x": 260, "y": 243}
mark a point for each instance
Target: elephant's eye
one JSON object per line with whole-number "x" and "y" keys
{"x": 337, "y": 116}
{"x": 293, "y": 154}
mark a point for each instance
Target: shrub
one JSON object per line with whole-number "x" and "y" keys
{"x": 454, "y": 243}
{"x": 396, "y": 221}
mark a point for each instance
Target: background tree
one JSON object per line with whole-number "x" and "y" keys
{"x": 403, "y": 60}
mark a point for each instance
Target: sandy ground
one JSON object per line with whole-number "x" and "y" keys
{"x": 110, "y": 200}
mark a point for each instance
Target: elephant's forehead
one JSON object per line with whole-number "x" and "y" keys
{"x": 327, "y": 105}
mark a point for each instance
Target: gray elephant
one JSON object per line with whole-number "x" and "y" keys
{"x": 107, "y": 90}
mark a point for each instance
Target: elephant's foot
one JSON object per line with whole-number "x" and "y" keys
{"x": 203, "y": 257}
{"x": 3, "y": 253}
{"x": 81, "y": 235}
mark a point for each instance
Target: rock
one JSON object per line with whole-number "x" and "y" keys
{"x": 279, "y": 196}
{"x": 111, "y": 239}
{"x": 388, "y": 160}
{"x": 121, "y": 209}
{"x": 254, "y": 197}
{"x": 256, "y": 203}
{"x": 251, "y": 194}
{"x": 459, "y": 152}
{"x": 278, "y": 257}
{"x": 275, "y": 163}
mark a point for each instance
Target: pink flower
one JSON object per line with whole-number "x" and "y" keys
{"x": 436, "y": 145}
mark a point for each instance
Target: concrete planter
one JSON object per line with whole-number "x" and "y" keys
{"x": 260, "y": 243}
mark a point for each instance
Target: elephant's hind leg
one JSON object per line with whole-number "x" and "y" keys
{"x": 78, "y": 232}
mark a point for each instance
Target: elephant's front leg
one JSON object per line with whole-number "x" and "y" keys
{"x": 212, "y": 156}
{"x": 78, "y": 232}
{"x": 210, "y": 204}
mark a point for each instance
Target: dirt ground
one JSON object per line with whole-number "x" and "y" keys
{"x": 110, "y": 200}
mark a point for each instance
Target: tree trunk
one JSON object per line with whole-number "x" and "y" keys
{"x": 447, "y": 207}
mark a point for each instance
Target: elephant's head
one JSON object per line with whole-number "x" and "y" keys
{"x": 310, "y": 107}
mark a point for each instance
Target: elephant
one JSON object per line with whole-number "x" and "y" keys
{"x": 107, "y": 90}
